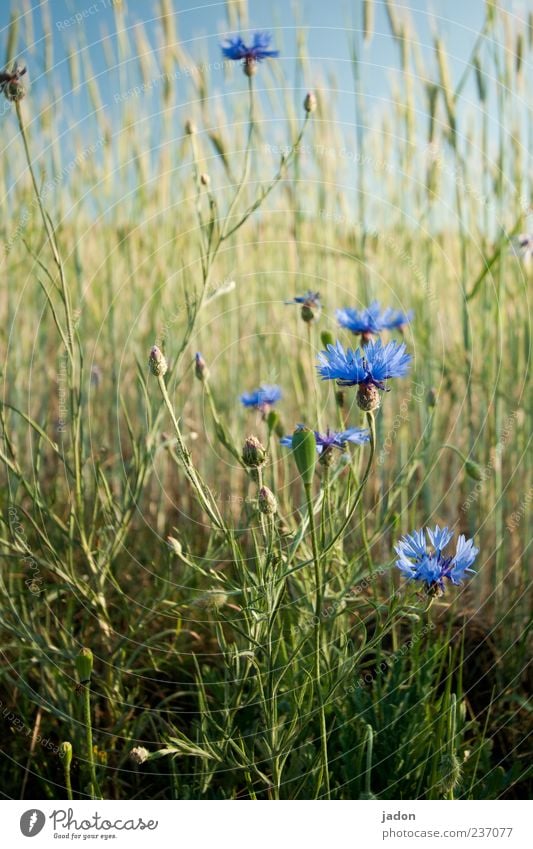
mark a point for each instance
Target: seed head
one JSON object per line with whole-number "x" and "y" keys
{"x": 200, "y": 367}
{"x": 267, "y": 501}
{"x": 253, "y": 453}
{"x": 310, "y": 102}
{"x": 139, "y": 755}
{"x": 157, "y": 362}
{"x": 84, "y": 665}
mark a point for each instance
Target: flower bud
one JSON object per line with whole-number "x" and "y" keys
{"x": 157, "y": 362}
{"x": 65, "y": 752}
{"x": 368, "y": 397}
{"x": 205, "y": 180}
{"x": 267, "y": 501}
{"x": 249, "y": 66}
{"x": 175, "y": 546}
{"x": 431, "y": 399}
{"x": 253, "y": 453}
{"x": 190, "y": 127}
{"x": 304, "y": 450}
{"x": 139, "y": 755}
{"x": 327, "y": 338}
{"x": 84, "y": 665}
{"x": 339, "y": 398}
{"x": 272, "y": 421}
{"x": 310, "y": 102}
{"x": 307, "y": 313}
{"x": 12, "y": 85}
{"x": 200, "y": 367}
{"x": 326, "y": 457}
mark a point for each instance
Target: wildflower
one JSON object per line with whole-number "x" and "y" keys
{"x": 267, "y": 501}
{"x": 236, "y": 49}
{"x": 310, "y": 102}
{"x": 262, "y": 398}
{"x": 200, "y": 366}
{"x": 368, "y": 368}
{"x": 11, "y": 84}
{"x": 418, "y": 562}
{"x": 311, "y": 305}
{"x": 371, "y": 321}
{"x": 253, "y": 453}
{"x": 139, "y": 755}
{"x": 333, "y": 439}
{"x": 157, "y": 362}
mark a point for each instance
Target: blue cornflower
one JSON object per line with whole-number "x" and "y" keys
{"x": 419, "y": 562}
{"x": 371, "y": 321}
{"x": 368, "y": 368}
{"x": 333, "y": 439}
{"x": 235, "y": 49}
{"x": 262, "y": 398}
{"x": 311, "y": 305}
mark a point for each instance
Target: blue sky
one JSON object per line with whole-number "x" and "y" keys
{"x": 328, "y": 25}
{"x": 88, "y": 27}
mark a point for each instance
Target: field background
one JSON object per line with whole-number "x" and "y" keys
{"x": 411, "y": 190}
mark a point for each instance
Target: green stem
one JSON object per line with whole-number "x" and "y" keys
{"x": 94, "y": 788}
{"x": 359, "y": 493}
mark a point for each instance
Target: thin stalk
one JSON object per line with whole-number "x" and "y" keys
{"x": 94, "y": 788}
{"x": 324, "y": 774}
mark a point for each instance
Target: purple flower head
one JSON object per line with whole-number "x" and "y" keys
{"x": 333, "y": 439}
{"x": 262, "y": 398}
{"x": 235, "y": 49}
{"x": 420, "y": 561}
{"x": 371, "y": 366}
{"x": 371, "y": 321}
